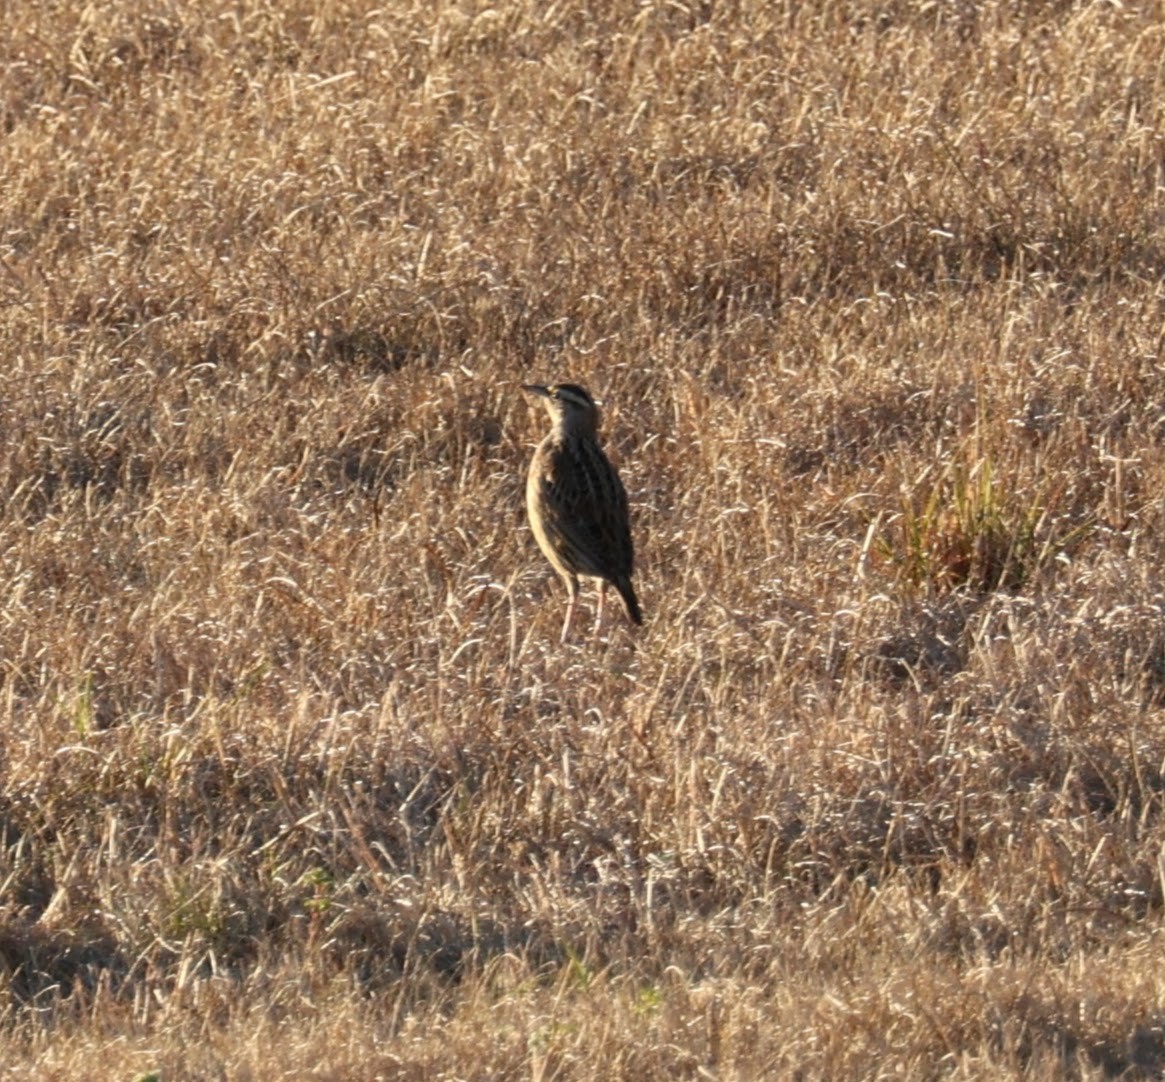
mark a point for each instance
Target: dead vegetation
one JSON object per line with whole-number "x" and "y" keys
{"x": 296, "y": 779}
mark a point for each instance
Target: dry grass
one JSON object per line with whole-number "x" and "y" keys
{"x": 296, "y": 779}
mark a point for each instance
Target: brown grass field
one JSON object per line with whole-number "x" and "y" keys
{"x": 296, "y": 780}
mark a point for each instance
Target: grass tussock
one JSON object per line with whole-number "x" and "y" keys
{"x": 295, "y": 778}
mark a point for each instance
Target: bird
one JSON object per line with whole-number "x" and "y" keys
{"x": 576, "y": 503}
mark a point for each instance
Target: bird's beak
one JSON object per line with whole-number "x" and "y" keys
{"x": 536, "y": 388}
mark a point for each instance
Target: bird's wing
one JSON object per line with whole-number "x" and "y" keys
{"x": 589, "y": 512}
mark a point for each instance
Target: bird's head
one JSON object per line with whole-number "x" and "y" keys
{"x": 571, "y": 407}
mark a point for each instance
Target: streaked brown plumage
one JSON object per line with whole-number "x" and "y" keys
{"x": 577, "y": 504}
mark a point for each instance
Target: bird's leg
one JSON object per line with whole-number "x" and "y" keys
{"x": 569, "y": 616}
{"x": 602, "y": 601}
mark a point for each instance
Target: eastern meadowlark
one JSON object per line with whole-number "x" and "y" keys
{"x": 577, "y": 504}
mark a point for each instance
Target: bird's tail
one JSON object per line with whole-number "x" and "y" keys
{"x": 630, "y": 601}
